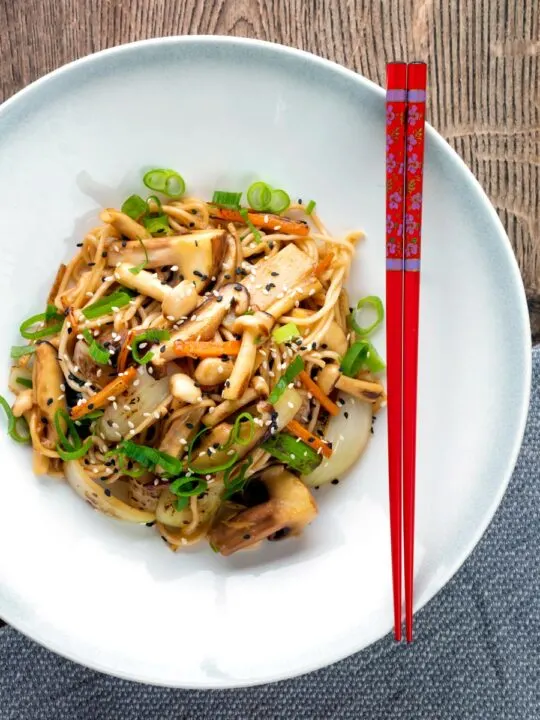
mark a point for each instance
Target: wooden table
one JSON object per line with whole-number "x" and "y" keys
{"x": 484, "y": 58}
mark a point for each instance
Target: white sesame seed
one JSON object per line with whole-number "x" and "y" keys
{"x": 99, "y": 372}
{"x": 171, "y": 318}
{"x": 115, "y": 406}
{"x": 174, "y": 268}
{"x": 290, "y": 404}
{"x": 147, "y": 414}
{"x": 150, "y": 370}
{"x": 127, "y": 408}
{"x": 111, "y": 398}
{"x": 130, "y": 424}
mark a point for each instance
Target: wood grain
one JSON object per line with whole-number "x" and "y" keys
{"x": 484, "y": 57}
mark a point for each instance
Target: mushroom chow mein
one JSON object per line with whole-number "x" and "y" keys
{"x": 198, "y": 367}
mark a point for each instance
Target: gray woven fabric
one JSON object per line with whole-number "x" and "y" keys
{"x": 476, "y": 653}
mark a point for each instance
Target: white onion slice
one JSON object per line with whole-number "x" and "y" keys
{"x": 349, "y": 437}
{"x": 94, "y": 493}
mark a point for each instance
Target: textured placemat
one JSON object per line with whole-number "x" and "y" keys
{"x": 476, "y": 653}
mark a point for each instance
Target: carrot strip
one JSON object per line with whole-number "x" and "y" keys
{"x": 124, "y": 351}
{"x": 311, "y": 439}
{"x": 323, "y": 265}
{"x": 116, "y": 387}
{"x": 206, "y": 349}
{"x": 318, "y": 394}
{"x": 262, "y": 220}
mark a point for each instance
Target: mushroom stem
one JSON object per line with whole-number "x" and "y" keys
{"x": 362, "y": 389}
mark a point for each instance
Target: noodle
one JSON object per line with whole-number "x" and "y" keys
{"x": 251, "y": 392}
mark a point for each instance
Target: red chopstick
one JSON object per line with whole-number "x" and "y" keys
{"x": 396, "y": 80}
{"x": 416, "y": 108}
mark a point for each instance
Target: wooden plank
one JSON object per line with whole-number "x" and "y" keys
{"x": 484, "y": 57}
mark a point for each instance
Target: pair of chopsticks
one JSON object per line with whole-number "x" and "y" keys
{"x": 405, "y": 120}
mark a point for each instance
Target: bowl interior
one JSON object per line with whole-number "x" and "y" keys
{"x": 224, "y": 113}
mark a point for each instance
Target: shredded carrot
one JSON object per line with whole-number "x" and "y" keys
{"x": 318, "y": 394}
{"x": 323, "y": 265}
{"x": 116, "y": 387}
{"x": 262, "y": 220}
{"x": 311, "y": 439}
{"x": 72, "y": 320}
{"x": 124, "y": 351}
{"x": 206, "y": 349}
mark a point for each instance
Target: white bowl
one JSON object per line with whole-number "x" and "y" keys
{"x": 223, "y": 112}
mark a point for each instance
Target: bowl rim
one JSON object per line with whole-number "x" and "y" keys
{"x": 522, "y": 323}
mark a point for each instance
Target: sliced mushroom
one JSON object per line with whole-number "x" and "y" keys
{"x": 255, "y": 329}
{"x": 198, "y": 255}
{"x": 89, "y": 369}
{"x": 213, "y": 371}
{"x": 278, "y": 276}
{"x": 183, "y": 387}
{"x": 125, "y": 226}
{"x": 145, "y": 282}
{"x": 282, "y": 305}
{"x": 330, "y": 377}
{"x": 228, "y": 263}
{"x": 228, "y": 407}
{"x": 48, "y": 379}
{"x": 367, "y": 391}
{"x": 207, "y": 318}
{"x": 181, "y": 431}
{"x": 288, "y": 510}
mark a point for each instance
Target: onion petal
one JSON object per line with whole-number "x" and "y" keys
{"x": 349, "y": 437}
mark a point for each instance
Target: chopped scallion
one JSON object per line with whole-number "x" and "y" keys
{"x": 370, "y": 302}
{"x": 169, "y": 182}
{"x": 259, "y": 195}
{"x": 149, "y": 336}
{"x": 138, "y": 268}
{"x": 105, "y": 305}
{"x": 18, "y": 351}
{"x": 98, "y": 352}
{"x": 288, "y": 376}
{"x": 187, "y": 486}
{"x": 310, "y": 207}
{"x": 361, "y": 355}
{"x": 293, "y": 452}
{"x": 227, "y": 199}
{"x": 279, "y": 202}
{"x": 251, "y": 226}
{"x": 157, "y": 224}
{"x": 45, "y": 319}
{"x": 25, "y": 382}
{"x": 284, "y": 333}
{"x": 134, "y": 206}
{"x": 75, "y": 454}
{"x": 238, "y": 482}
{"x": 12, "y": 423}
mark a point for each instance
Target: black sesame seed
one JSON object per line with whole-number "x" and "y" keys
{"x": 274, "y": 274}
{"x": 227, "y": 276}
{"x": 91, "y": 264}
{"x": 107, "y": 491}
{"x": 124, "y": 243}
{"x": 162, "y": 349}
{"x": 90, "y": 406}
{"x": 193, "y": 211}
{"x": 238, "y": 287}
{"x": 79, "y": 244}
{"x": 219, "y": 298}
{"x": 247, "y": 536}
{"x": 300, "y": 201}
{"x": 270, "y": 286}
{"x": 69, "y": 331}
{"x": 215, "y": 446}
{"x": 190, "y": 426}
{"x": 198, "y": 273}
{"x": 50, "y": 401}
{"x": 191, "y": 224}
{"x": 341, "y": 402}
{"x": 311, "y": 440}
{"x": 324, "y": 346}
{"x": 335, "y": 481}
{"x": 44, "y": 420}
{"x": 104, "y": 254}
{"x": 224, "y": 358}
{"x": 346, "y": 415}
{"x": 150, "y": 524}
{"x": 313, "y": 345}
{"x": 271, "y": 244}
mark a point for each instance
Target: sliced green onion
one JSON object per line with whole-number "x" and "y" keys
{"x": 288, "y": 376}
{"x": 310, "y": 207}
{"x": 134, "y": 206}
{"x": 371, "y": 301}
{"x": 238, "y": 482}
{"x": 66, "y": 444}
{"x": 17, "y": 351}
{"x": 361, "y": 355}
{"x": 149, "y": 336}
{"x": 51, "y": 313}
{"x": 188, "y": 486}
{"x": 98, "y": 352}
{"x": 279, "y": 202}
{"x": 155, "y": 200}
{"x": 293, "y": 452}
{"x": 94, "y": 415}
{"x": 148, "y": 457}
{"x": 106, "y": 305}
{"x": 181, "y": 503}
{"x": 137, "y": 269}
{"x": 25, "y": 382}
{"x": 251, "y": 226}
{"x": 75, "y": 454}
{"x": 12, "y": 423}
{"x": 259, "y": 195}
{"x": 207, "y": 471}
{"x": 227, "y": 199}
{"x": 122, "y": 465}
{"x": 44, "y": 332}
{"x": 168, "y": 182}
{"x": 235, "y": 436}
{"x": 284, "y": 333}
{"x": 157, "y": 225}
